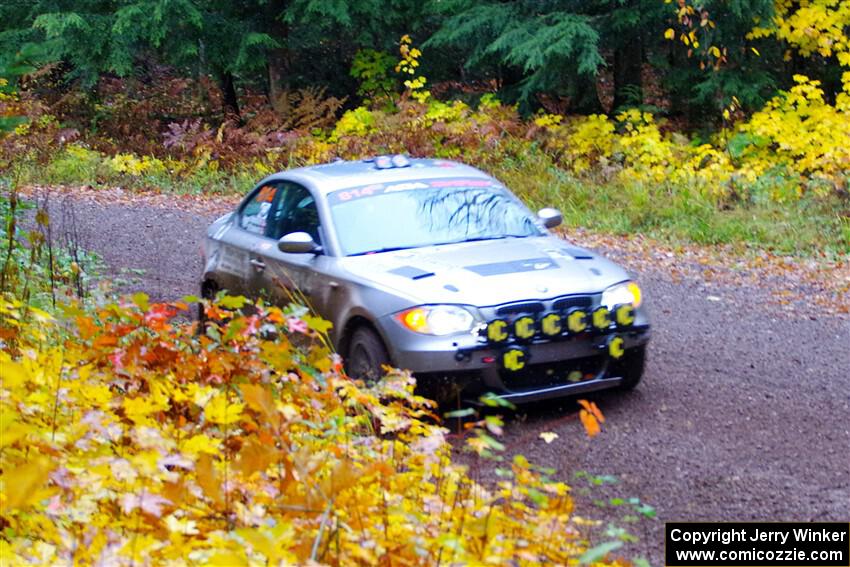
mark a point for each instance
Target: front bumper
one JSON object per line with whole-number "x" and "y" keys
{"x": 555, "y": 368}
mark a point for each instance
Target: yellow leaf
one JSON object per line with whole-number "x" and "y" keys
{"x": 10, "y": 432}
{"x": 259, "y": 542}
{"x": 21, "y": 484}
{"x": 548, "y": 436}
{"x": 229, "y": 558}
{"x": 670, "y": 33}
{"x": 12, "y": 374}
{"x": 40, "y": 315}
{"x": 318, "y": 324}
{"x": 220, "y": 411}
{"x": 138, "y": 409}
{"x": 201, "y": 444}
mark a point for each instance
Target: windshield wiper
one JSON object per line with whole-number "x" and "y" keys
{"x": 482, "y": 238}
{"x": 381, "y": 250}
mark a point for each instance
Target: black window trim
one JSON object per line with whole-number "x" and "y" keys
{"x": 250, "y": 197}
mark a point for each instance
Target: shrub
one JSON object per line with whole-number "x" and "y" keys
{"x": 77, "y": 164}
{"x": 130, "y": 439}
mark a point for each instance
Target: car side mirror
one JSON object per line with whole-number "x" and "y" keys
{"x": 298, "y": 243}
{"x": 550, "y": 217}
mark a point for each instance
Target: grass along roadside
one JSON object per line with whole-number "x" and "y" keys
{"x": 808, "y": 227}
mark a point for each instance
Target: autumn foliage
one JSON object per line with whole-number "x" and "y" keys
{"x": 128, "y": 438}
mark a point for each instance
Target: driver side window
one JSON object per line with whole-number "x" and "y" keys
{"x": 255, "y": 214}
{"x": 295, "y": 212}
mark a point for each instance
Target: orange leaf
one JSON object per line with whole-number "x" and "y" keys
{"x": 592, "y": 408}
{"x": 105, "y": 340}
{"x": 259, "y": 398}
{"x": 255, "y": 457}
{"x": 86, "y": 327}
{"x": 176, "y": 492}
{"x": 591, "y": 425}
{"x": 265, "y": 437}
{"x": 208, "y": 479}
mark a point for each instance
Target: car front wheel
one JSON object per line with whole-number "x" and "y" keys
{"x": 366, "y": 356}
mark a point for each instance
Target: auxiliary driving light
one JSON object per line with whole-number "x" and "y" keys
{"x": 497, "y": 331}
{"x": 576, "y": 320}
{"x": 551, "y": 325}
{"x": 601, "y": 318}
{"x": 514, "y": 358}
{"x": 624, "y": 315}
{"x": 616, "y": 348}
{"x": 524, "y": 328}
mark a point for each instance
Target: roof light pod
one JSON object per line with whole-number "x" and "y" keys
{"x": 400, "y": 160}
{"x": 389, "y": 162}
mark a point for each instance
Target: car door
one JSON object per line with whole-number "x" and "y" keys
{"x": 236, "y": 240}
{"x": 280, "y": 277}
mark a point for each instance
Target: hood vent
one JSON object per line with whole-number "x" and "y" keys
{"x": 411, "y": 272}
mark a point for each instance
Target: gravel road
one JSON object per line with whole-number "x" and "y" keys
{"x": 744, "y": 413}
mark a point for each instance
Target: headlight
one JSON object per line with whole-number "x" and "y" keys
{"x": 436, "y": 319}
{"x": 626, "y": 292}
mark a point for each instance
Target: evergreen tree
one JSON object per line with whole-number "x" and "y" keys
{"x": 535, "y": 45}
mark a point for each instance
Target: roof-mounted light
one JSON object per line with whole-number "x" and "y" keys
{"x": 400, "y": 161}
{"x": 389, "y": 162}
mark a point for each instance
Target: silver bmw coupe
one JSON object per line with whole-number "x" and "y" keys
{"x": 436, "y": 267}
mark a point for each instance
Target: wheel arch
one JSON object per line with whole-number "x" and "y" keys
{"x": 352, "y": 324}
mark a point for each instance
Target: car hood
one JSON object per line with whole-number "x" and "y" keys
{"x": 489, "y": 272}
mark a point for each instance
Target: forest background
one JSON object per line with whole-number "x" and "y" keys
{"x": 713, "y": 121}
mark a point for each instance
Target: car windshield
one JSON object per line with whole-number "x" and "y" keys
{"x": 381, "y": 218}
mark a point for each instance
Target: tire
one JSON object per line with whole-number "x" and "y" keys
{"x": 208, "y": 291}
{"x": 631, "y": 367}
{"x": 366, "y": 356}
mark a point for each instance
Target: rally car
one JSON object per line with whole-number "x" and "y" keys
{"x": 436, "y": 267}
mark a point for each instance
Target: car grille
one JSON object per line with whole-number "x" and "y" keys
{"x": 559, "y": 304}
{"x": 563, "y": 303}
{"x": 516, "y": 308}
{"x": 552, "y": 374}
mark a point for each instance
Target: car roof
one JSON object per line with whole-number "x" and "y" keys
{"x": 329, "y": 177}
